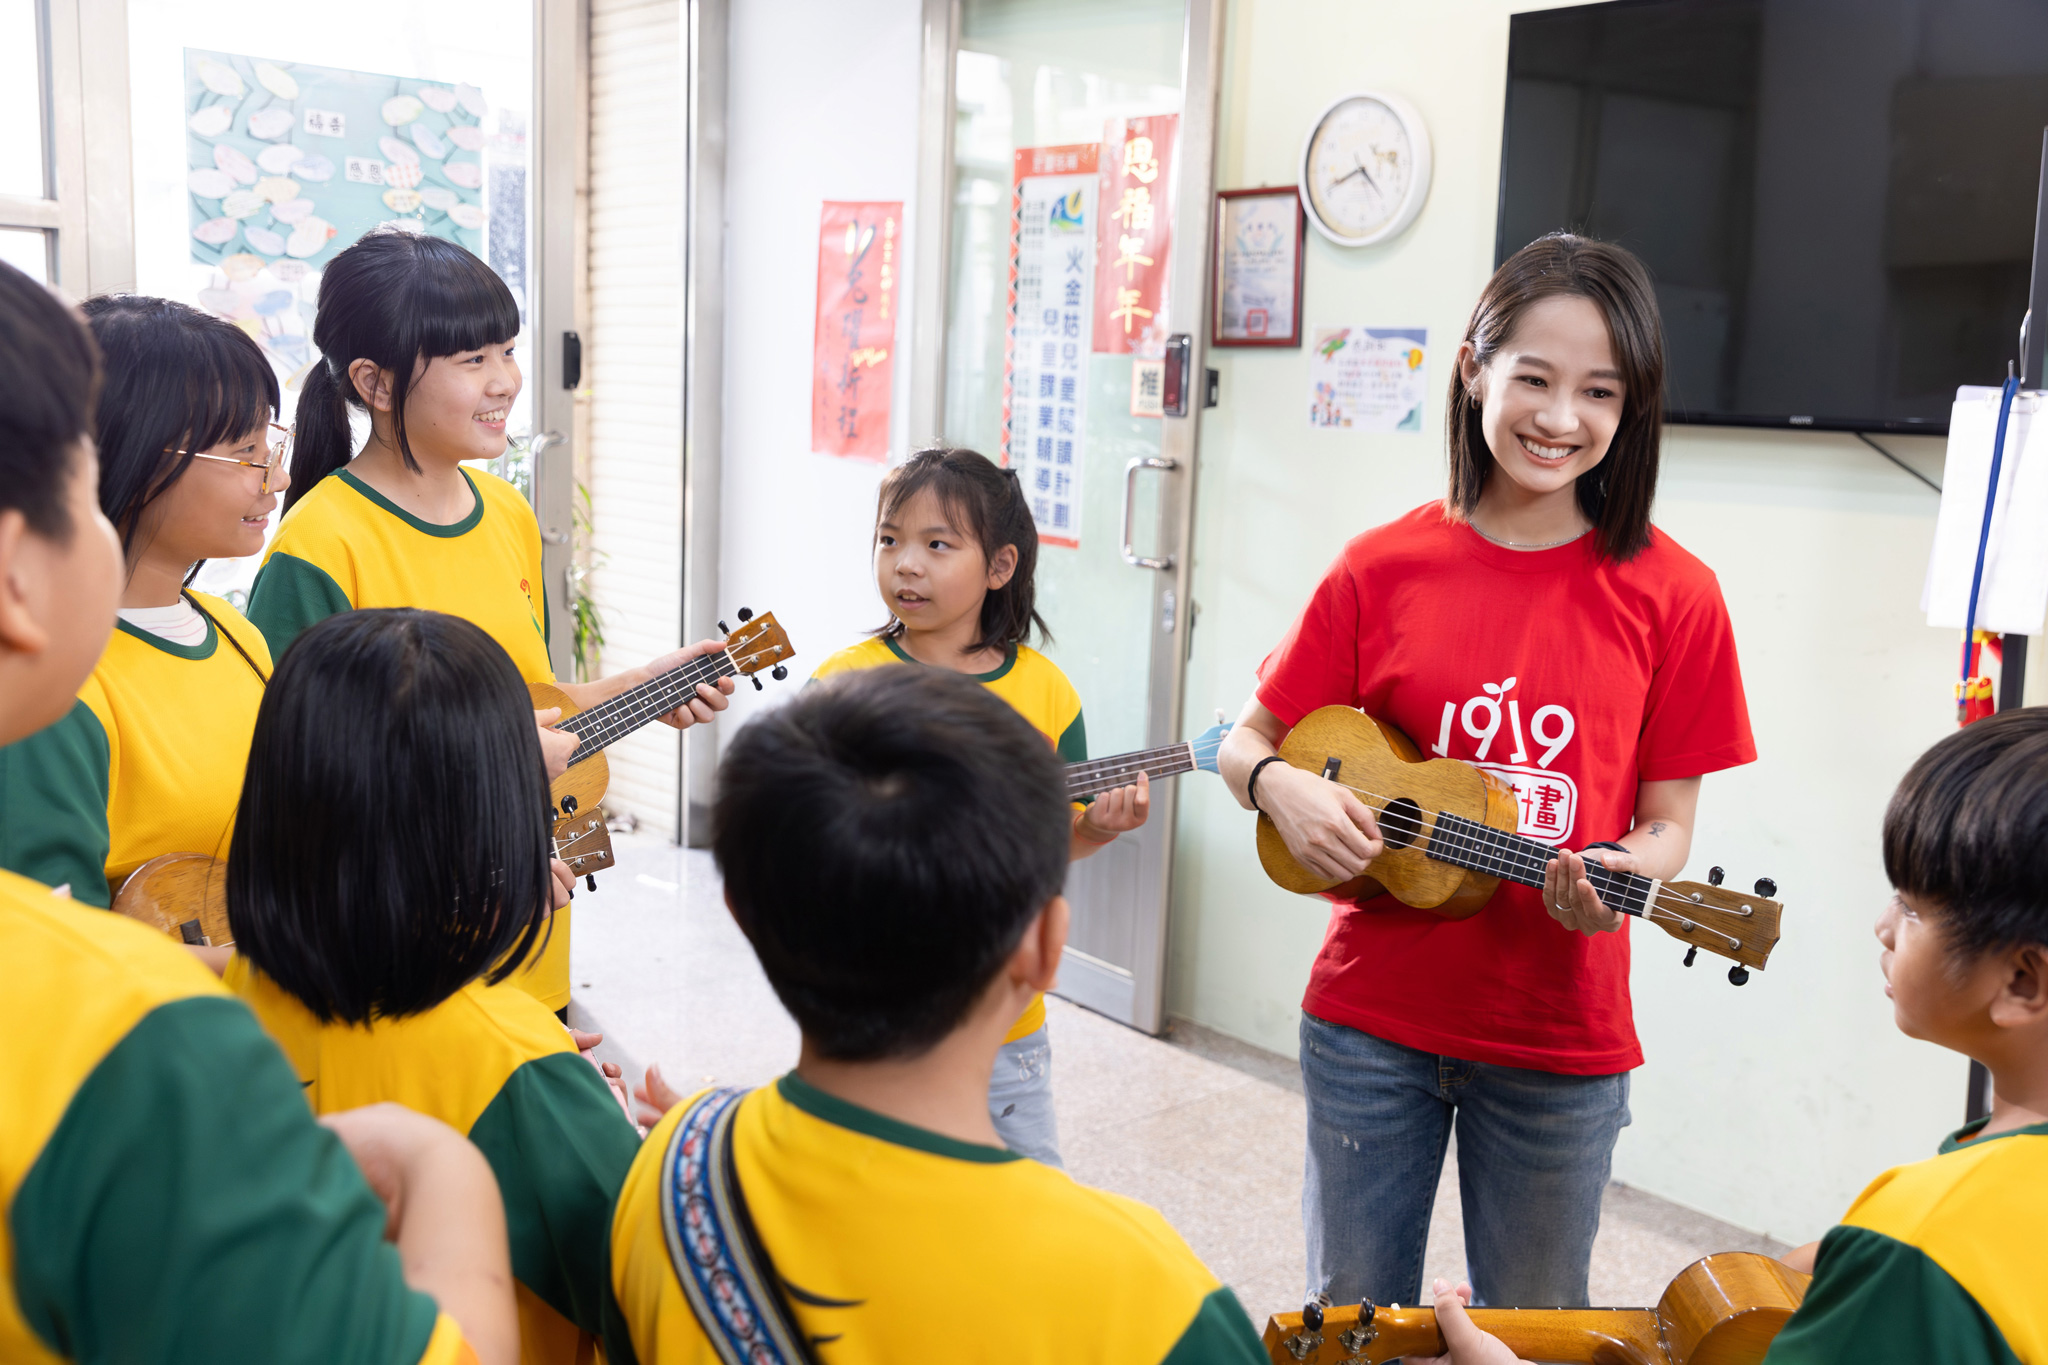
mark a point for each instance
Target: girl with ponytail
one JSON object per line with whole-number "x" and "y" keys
{"x": 955, "y": 552}
{"x": 149, "y": 759}
{"x": 417, "y": 336}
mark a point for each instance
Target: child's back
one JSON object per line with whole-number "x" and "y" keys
{"x": 893, "y": 844}
{"x": 368, "y": 930}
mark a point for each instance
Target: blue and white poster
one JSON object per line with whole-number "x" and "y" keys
{"x": 289, "y": 163}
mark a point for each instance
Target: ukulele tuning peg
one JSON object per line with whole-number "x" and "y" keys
{"x": 1766, "y": 888}
{"x": 779, "y": 672}
{"x": 746, "y": 615}
{"x": 1312, "y": 1316}
{"x": 724, "y": 629}
{"x": 1737, "y": 974}
{"x": 756, "y": 682}
{"x": 568, "y": 805}
{"x": 1691, "y": 953}
{"x": 1714, "y": 874}
{"x": 590, "y": 881}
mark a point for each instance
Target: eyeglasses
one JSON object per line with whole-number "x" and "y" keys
{"x": 273, "y": 468}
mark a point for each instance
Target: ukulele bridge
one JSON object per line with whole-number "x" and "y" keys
{"x": 1331, "y": 767}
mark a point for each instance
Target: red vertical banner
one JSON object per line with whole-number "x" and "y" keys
{"x": 851, "y": 367}
{"x": 1136, "y": 234}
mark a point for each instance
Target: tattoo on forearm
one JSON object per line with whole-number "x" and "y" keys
{"x": 1657, "y": 828}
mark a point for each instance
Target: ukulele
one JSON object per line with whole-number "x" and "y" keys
{"x": 1449, "y": 830}
{"x": 582, "y": 839}
{"x": 1722, "y": 1310}
{"x": 1094, "y": 776}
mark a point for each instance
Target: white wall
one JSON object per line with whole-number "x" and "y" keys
{"x": 1769, "y": 1106}
{"x": 823, "y": 105}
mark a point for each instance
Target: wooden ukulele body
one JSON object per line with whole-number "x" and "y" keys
{"x": 1721, "y": 1310}
{"x": 1384, "y": 769}
{"x": 183, "y": 894}
{"x": 587, "y": 779}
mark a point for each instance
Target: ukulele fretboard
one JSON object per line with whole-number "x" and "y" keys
{"x": 616, "y": 717}
{"x": 1481, "y": 848}
{"x": 1092, "y": 777}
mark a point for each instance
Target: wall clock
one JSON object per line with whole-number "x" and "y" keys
{"x": 1365, "y": 168}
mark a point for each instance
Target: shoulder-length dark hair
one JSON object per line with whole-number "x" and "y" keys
{"x": 392, "y": 841}
{"x": 987, "y": 502}
{"x": 178, "y": 380}
{"x": 1615, "y": 496}
{"x": 49, "y": 379}
{"x": 398, "y": 300}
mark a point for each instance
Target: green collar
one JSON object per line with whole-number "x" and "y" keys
{"x": 1966, "y": 1135}
{"x": 203, "y": 650}
{"x": 1009, "y": 661}
{"x": 840, "y": 1113}
{"x": 452, "y": 529}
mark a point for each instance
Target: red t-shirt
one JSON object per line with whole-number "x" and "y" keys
{"x": 1573, "y": 679}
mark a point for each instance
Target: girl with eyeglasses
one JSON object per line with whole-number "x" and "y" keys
{"x": 149, "y": 759}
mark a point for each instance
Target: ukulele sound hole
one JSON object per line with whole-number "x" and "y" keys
{"x": 1401, "y": 823}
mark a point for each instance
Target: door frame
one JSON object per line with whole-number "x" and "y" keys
{"x": 1138, "y": 996}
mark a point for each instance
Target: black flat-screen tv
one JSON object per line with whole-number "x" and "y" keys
{"x": 1835, "y": 197}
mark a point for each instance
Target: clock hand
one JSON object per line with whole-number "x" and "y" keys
{"x": 1347, "y": 175}
{"x": 1367, "y": 174}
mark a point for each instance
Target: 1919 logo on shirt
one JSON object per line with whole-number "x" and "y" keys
{"x": 1548, "y": 801}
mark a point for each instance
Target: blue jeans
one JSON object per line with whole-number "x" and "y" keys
{"x": 1020, "y": 1098}
{"x": 1534, "y": 1152}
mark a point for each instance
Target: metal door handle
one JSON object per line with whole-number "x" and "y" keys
{"x": 1131, "y": 555}
{"x": 552, "y": 535}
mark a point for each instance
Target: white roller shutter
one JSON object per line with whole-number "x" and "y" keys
{"x": 633, "y": 366}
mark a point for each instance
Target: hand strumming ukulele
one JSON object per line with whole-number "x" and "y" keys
{"x": 1094, "y": 776}
{"x": 1722, "y": 1310}
{"x": 1449, "y": 829}
{"x": 581, "y": 838}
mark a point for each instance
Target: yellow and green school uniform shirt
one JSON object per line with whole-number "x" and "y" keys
{"x": 148, "y": 761}
{"x": 493, "y": 1064}
{"x": 1035, "y": 689}
{"x": 345, "y": 545}
{"x": 899, "y": 1244}
{"x": 167, "y": 1196}
{"x": 1946, "y": 1259}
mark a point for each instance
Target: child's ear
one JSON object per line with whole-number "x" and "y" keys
{"x": 20, "y": 631}
{"x": 372, "y": 383}
{"x": 1002, "y": 566}
{"x": 2022, "y": 1001}
{"x": 1038, "y": 954}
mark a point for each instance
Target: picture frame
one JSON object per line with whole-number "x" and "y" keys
{"x": 1255, "y": 284}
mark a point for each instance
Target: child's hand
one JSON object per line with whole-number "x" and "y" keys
{"x": 563, "y": 887}
{"x": 1113, "y": 812}
{"x": 655, "y": 1096}
{"x": 710, "y": 698}
{"x": 1464, "y": 1344}
{"x": 614, "y": 1076}
{"x": 555, "y": 745}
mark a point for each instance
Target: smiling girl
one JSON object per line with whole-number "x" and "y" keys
{"x": 417, "y": 334}
{"x": 149, "y": 759}
{"x": 1536, "y": 623}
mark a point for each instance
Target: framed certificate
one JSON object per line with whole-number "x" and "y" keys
{"x": 1257, "y": 287}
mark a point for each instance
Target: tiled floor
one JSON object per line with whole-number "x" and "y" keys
{"x": 1207, "y": 1130}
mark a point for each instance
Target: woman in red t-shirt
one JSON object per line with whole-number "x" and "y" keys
{"x": 1536, "y": 624}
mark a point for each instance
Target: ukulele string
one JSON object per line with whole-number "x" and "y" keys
{"x": 1658, "y": 910}
{"x": 620, "y": 715}
{"x": 1169, "y": 760}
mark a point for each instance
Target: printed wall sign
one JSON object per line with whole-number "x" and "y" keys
{"x": 1368, "y": 378}
{"x": 1136, "y": 233}
{"x": 851, "y": 366}
{"x": 1053, "y": 208}
{"x": 289, "y": 163}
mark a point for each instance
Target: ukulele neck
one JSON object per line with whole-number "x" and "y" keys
{"x": 1092, "y": 777}
{"x": 1478, "y": 847}
{"x": 616, "y": 717}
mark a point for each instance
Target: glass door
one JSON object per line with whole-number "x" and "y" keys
{"x": 1080, "y": 177}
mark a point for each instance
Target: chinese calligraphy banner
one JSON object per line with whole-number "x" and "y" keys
{"x": 1051, "y": 312}
{"x": 1368, "y": 378}
{"x": 851, "y": 367}
{"x": 1136, "y": 231}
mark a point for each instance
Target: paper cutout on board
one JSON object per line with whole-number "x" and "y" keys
{"x": 267, "y": 209}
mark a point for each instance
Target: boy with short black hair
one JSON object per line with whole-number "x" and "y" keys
{"x": 1945, "y": 1259}
{"x": 893, "y": 844}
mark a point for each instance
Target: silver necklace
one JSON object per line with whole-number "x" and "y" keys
{"x": 1519, "y": 545}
